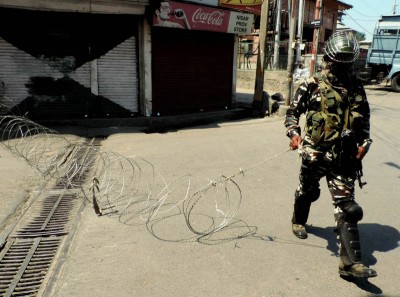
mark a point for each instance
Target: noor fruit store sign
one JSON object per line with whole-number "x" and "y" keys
{"x": 193, "y": 17}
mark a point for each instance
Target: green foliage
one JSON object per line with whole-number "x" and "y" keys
{"x": 360, "y": 36}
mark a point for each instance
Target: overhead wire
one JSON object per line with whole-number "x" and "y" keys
{"x": 366, "y": 30}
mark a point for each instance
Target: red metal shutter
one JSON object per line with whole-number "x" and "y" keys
{"x": 192, "y": 71}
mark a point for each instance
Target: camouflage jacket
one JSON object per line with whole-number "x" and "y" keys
{"x": 329, "y": 109}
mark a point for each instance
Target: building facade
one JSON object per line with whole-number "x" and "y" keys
{"x": 331, "y": 11}
{"x": 73, "y": 59}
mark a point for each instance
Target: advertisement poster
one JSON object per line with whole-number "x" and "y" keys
{"x": 193, "y": 17}
{"x": 252, "y": 6}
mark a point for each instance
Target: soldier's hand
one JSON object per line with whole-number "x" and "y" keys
{"x": 361, "y": 153}
{"x": 295, "y": 142}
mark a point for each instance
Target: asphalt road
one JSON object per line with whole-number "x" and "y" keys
{"x": 170, "y": 251}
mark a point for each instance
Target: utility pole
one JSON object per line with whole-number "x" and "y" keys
{"x": 317, "y": 24}
{"x": 300, "y": 29}
{"x": 292, "y": 29}
{"x": 394, "y": 6}
{"x": 277, "y": 33}
{"x": 258, "y": 108}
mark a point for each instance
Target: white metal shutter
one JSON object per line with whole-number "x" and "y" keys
{"x": 117, "y": 75}
{"x": 17, "y": 70}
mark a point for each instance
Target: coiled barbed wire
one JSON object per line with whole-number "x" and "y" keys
{"x": 138, "y": 194}
{"x": 51, "y": 154}
{"x": 130, "y": 187}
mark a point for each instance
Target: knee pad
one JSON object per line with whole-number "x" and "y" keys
{"x": 310, "y": 195}
{"x": 353, "y": 213}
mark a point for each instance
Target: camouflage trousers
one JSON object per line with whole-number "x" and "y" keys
{"x": 316, "y": 165}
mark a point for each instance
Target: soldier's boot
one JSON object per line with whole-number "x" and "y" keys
{"x": 299, "y": 231}
{"x": 350, "y": 252}
{"x": 356, "y": 270}
{"x": 301, "y": 211}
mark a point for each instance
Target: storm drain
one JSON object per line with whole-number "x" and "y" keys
{"x": 49, "y": 217}
{"x": 24, "y": 264}
{"x": 31, "y": 247}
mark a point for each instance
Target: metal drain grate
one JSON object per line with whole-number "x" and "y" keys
{"x": 53, "y": 218}
{"x": 84, "y": 157}
{"x": 31, "y": 248}
{"x": 24, "y": 264}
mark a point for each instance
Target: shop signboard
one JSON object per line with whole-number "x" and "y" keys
{"x": 206, "y": 2}
{"x": 195, "y": 17}
{"x": 252, "y": 6}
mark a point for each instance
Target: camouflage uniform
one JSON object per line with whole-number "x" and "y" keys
{"x": 329, "y": 110}
{"x": 318, "y": 157}
{"x": 336, "y": 140}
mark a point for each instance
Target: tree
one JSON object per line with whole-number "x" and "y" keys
{"x": 360, "y": 36}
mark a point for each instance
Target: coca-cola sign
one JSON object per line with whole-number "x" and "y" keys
{"x": 214, "y": 18}
{"x": 194, "y": 17}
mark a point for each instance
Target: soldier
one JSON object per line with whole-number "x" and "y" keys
{"x": 336, "y": 138}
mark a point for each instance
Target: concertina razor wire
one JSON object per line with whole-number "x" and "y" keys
{"x": 130, "y": 187}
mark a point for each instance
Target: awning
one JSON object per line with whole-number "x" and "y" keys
{"x": 388, "y": 25}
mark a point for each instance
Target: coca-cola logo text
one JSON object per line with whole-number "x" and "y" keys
{"x": 214, "y": 18}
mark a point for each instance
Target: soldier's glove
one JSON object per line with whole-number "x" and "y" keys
{"x": 295, "y": 142}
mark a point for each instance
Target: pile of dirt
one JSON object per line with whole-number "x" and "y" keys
{"x": 275, "y": 81}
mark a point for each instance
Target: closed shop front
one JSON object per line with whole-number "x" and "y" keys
{"x": 192, "y": 71}
{"x": 60, "y": 65}
{"x": 193, "y": 57}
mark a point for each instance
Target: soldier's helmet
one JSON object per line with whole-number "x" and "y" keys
{"x": 342, "y": 47}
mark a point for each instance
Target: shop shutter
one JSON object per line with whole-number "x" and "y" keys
{"x": 46, "y": 67}
{"x": 37, "y": 87}
{"x": 192, "y": 71}
{"x": 117, "y": 75}
{"x": 16, "y": 68}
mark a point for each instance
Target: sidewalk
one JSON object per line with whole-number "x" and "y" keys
{"x": 17, "y": 179}
{"x": 242, "y": 109}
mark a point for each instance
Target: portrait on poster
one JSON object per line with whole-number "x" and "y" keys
{"x": 167, "y": 16}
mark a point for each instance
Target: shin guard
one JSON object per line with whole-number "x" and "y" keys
{"x": 350, "y": 247}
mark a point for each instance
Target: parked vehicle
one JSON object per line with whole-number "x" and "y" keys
{"x": 383, "y": 58}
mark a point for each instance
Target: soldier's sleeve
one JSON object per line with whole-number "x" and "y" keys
{"x": 298, "y": 106}
{"x": 363, "y": 125}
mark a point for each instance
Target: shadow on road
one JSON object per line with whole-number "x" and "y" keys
{"x": 363, "y": 284}
{"x": 374, "y": 238}
{"x": 380, "y": 238}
